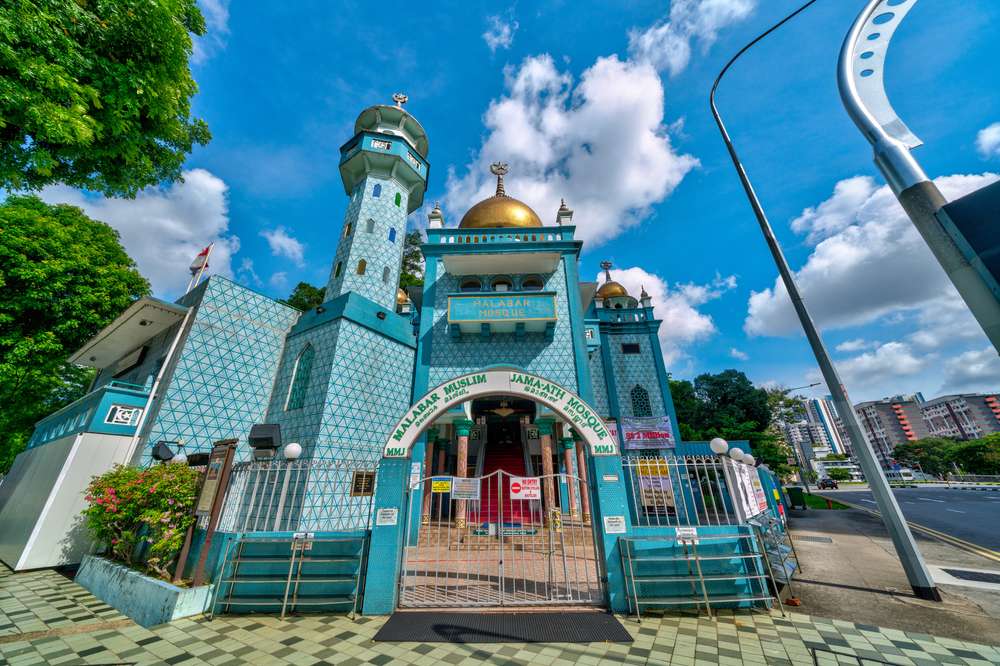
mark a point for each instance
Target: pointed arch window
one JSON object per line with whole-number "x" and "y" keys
{"x": 370, "y": 225}
{"x": 300, "y": 378}
{"x": 640, "y": 402}
{"x": 392, "y": 234}
{"x": 362, "y": 266}
{"x": 399, "y": 198}
{"x": 377, "y": 190}
{"x": 386, "y": 273}
{"x": 338, "y": 269}
{"x": 347, "y": 229}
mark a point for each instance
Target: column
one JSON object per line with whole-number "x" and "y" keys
{"x": 462, "y": 429}
{"x": 581, "y": 466}
{"x": 567, "y": 448}
{"x": 442, "y": 465}
{"x": 428, "y": 471}
{"x": 545, "y": 427}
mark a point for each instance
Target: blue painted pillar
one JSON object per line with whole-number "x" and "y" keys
{"x": 610, "y": 509}
{"x": 386, "y": 550}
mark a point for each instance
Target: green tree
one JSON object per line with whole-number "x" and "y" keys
{"x": 932, "y": 455}
{"x": 306, "y": 297}
{"x": 839, "y": 474}
{"x": 64, "y": 277}
{"x": 96, "y": 93}
{"x": 412, "y": 274}
{"x": 978, "y": 456}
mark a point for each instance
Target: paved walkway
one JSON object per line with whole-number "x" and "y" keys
{"x": 45, "y": 618}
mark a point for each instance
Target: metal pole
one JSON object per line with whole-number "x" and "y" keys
{"x": 910, "y": 557}
{"x": 860, "y": 78}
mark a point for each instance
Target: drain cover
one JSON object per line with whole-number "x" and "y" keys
{"x": 974, "y": 576}
{"x": 814, "y": 539}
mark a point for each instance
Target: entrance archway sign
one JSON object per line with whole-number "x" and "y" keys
{"x": 500, "y": 381}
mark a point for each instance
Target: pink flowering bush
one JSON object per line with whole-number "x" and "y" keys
{"x": 141, "y": 515}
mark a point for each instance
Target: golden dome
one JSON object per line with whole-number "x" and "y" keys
{"x": 401, "y": 297}
{"x": 500, "y": 210}
{"x": 611, "y": 289}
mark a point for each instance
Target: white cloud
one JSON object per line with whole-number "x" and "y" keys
{"x": 975, "y": 370}
{"x": 887, "y": 363}
{"x": 868, "y": 261}
{"x": 855, "y": 345}
{"x": 246, "y": 272}
{"x": 500, "y": 33}
{"x": 988, "y": 141}
{"x": 283, "y": 244}
{"x": 738, "y": 355}
{"x": 683, "y": 324}
{"x": 279, "y": 280}
{"x": 163, "y": 228}
{"x": 667, "y": 44}
{"x": 216, "y": 13}
{"x": 566, "y": 139}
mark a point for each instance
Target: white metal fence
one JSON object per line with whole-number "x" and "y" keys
{"x": 973, "y": 478}
{"x": 686, "y": 490}
{"x": 298, "y": 495}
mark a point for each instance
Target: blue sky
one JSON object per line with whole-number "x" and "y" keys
{"x": 608, "y": 108}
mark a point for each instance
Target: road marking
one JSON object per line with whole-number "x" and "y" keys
{"x": 954, "y": 510}
{"x": 869, "y": 501}
{"x": 931, "y": 500}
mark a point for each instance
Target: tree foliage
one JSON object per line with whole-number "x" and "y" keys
{"x": 305, "y": 296}
{"x": 728, "y": 405}
{"x": 64, "y": 277}
{"x": 940, "y": 455}
{"x": 839, "y": 474}
{"x": 96, "y": 93}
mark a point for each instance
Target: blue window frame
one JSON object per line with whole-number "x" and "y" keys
{"x": 392, "y": 234}
{"x": 377, "y": 190}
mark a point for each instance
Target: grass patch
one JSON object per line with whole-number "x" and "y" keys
{"x": 817, "y": 502}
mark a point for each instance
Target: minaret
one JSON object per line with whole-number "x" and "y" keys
{"x": 384, "y": 169}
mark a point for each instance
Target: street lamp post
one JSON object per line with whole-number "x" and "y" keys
{"x": 910, "y": 557}
{"x": 860, "y": 78}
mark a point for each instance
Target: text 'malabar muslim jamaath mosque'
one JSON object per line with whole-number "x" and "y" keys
{"x": 497, "y": 401}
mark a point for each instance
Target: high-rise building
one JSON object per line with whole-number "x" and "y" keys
{"x": 890, "y": 422}
{"x": 823, "y": 413}
{"x": 963, "y": 416}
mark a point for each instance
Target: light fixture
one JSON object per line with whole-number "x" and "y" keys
{"x": 503, "y": 410}
{"x": 749, "y": 460}
{"x": 162, "y": 451}
{"x": 736, "y": 453}
{"x": 719, "y": 446}
{"x": 180, "y": 456}
{"x": 292, "y": 451}
{"x": 265, "y": 440}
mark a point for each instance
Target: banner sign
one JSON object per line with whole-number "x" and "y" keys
{"x": 465, "y": 489}
{"x": 651, "y": 432}
{"x": 525, "y": 488}
{"x": 656, "y": 492}
{"x": 514, "y": 307}
{"x": 441, "y": 484}
{"x": 746, "y": 489}
{"x": 584, "y": 419}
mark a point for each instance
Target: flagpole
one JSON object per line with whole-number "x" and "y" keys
{"x": 204, "y": 264}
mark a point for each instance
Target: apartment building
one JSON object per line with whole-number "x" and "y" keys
{"x": 962, "y": 416}
{"x": 890, "y": 422}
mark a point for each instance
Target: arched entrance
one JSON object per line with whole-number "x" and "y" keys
{"x": 503, "y": 519}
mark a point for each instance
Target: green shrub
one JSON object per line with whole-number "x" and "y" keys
{"x": 147, "y": 511}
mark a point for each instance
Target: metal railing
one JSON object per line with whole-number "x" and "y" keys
{"x": 686, "y": 490}
{"x": 298, "y": 495}
{"x": 973, "y": 478}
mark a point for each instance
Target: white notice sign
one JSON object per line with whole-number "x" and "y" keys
{"x": 614, "y": 524}
{"x": 525, "y": 488}
{"x": 464, "y": 489}
{"x": 414, "y": 475}
{"x": 386, "y": 517}
{"x": 687, "y": 534}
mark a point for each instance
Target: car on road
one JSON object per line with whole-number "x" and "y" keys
{"x": 828, "y": 484}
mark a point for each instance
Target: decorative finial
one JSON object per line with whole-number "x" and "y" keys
{"x": 400, "y": 99}
{"x": 499, "y": 169}
{"x": 606, "y": 265}
{"x": 437, "y": 208}
{"x": 562, "y": 206}
{"x": 643, "y": 294}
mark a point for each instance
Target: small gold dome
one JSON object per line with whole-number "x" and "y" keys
{"x": 611, "y": 289}
{"x": 401, "y": 297}
{"x": 499, "y": 211}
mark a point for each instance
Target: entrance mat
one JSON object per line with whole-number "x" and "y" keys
{"x": 471, "y": 627}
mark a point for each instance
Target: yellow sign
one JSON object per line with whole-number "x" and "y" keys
{"x": 441, "y": 484}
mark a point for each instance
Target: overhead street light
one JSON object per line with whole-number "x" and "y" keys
{"x": 910, "y": 557}
{"x": 861, "y": 80}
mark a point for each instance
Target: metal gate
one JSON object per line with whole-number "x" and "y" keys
{"x": 487, "y": 541}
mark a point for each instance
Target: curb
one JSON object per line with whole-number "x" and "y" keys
{"x": 940, "y": 536}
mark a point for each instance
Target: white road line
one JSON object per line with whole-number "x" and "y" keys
{"x": 928, "y": 499}
{"x": 954, "y": 510}
{"x": 869, "y": 501}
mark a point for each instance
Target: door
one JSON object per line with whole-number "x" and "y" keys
{"x": 486, "y": 541}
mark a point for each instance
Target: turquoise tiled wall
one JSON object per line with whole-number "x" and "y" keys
{"x": 632, "y": 369}
{"x": 600, "y": 386}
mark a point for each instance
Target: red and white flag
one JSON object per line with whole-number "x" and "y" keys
{"x": 201, "y": 261}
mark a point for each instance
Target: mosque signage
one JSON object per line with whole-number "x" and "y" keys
{"x": 651, "y": 432}
{"x": 438, "y": 400}
{"x": 493, "y": 308}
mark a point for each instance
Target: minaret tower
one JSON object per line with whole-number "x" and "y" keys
{"x": 384, "y": 169}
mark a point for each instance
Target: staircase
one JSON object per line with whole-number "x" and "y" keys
{"x": 508, "y": 459}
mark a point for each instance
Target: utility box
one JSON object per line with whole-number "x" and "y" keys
{"x": 797, "y": 497}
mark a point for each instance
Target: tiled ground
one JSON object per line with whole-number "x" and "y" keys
{"x": 48, "y": 619}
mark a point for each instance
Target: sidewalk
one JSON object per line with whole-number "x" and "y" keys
{"x": 851, "y": 572}
{"x": 69, "y": 626}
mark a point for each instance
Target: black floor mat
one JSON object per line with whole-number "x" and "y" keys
{"x": 541, "y": 627}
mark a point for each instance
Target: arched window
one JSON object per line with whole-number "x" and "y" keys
{"x": 385, "y": 274}
{"x": 399, "y": 198}
{"x": 502, "y": 284}
{"x": 362, "y": 265}
{"x": 370, "y": 225}
{"x": 618, "y": 306}
{"x": 640, "y": 402}
{"x": 471, "y": 284}
{"x": 392, "y": 234}
{"x": 377, "y": 190}
{"x": 337, "y": 269}
{"x": 532, "y": 283}
{"x": 347, "y": 229}
{"x": 300, "y": 378}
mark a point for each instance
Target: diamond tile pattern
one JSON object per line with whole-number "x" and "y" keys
{"x": 373, "y": 246}
{"x": 553, "y": 359}
{"x": 222, "y": 382}
{"x": 634, "y": 369}
{"x": 596, "y": 362}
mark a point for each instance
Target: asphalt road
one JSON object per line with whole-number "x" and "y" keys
{"x": 972, "y": 515}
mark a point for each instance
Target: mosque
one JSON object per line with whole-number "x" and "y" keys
{"x": 504, "y": 367}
